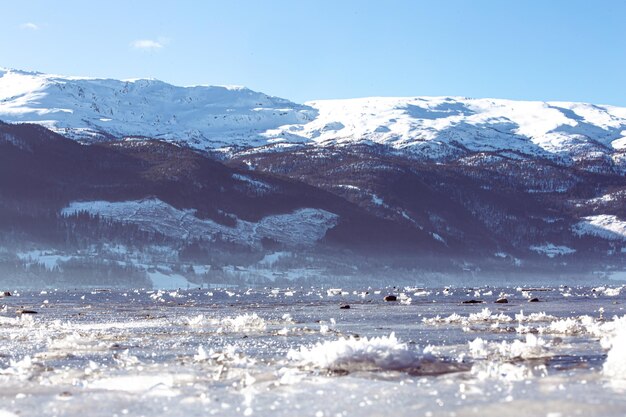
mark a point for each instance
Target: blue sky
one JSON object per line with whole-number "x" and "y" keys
{"x": 303, "y": 50}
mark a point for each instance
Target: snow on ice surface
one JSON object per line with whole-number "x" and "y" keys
{"x": 384, "y": 352}
{"x": 615, "y": 365}
{"x": 301, "y": 228}
{"x": 243, "y": 323}
{"x": 221, "y": 117}
{"x": 533, "y": 347}
{"x": 250, "y": 352}
{"x": 605, "y": 226}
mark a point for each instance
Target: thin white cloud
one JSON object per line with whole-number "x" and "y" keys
{"x": 147, "y": 44}
{"x": 29, "y": 26}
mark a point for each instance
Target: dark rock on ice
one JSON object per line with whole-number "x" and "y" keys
{"x": 502, "y": 301}
{"x": 339, "y": 372}
{"x": 533, "y": 300}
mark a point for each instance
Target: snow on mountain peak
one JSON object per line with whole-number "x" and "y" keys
{"x": 435, "y": 127}
{"x": 202, "y": 116}
{"x": 215, "y": 117}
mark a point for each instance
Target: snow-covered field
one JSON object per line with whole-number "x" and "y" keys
{"x": 293, "y": 351}
{"x": 303, "y": 227}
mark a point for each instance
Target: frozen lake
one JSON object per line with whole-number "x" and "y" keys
{"x": 295, "y": 352}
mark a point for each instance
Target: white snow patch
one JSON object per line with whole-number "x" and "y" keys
{"x": 133, "y": 383}
{"x": 259, "y": 187}
{"x": 379, "y": 201}
{"x": 438, "y": 238}
{"x": 607, "y": 198}
{"x": 163, "y": 281}
{"x": 349, "y": 187}
{"x": 605, "y": 226}
{"x": 271, "y": 258}
{"x": 49, "y": 259}
{"x": 619, "y": 144}
{"x": 608, "y": 291}
{"x": 303, "y": 227}
{"x": 551, "y": 250}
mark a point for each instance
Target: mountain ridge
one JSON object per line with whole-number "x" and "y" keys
{"x": 231, "y": 120}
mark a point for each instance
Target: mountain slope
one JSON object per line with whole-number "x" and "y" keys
{"x": 503, "y": 205}
{"x": 174, "y": 191}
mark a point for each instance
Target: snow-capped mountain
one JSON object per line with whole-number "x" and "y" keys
{"x": 94, "y": 109}
{"x": 448, "y": 127}
{"x": 432, "y": 128}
